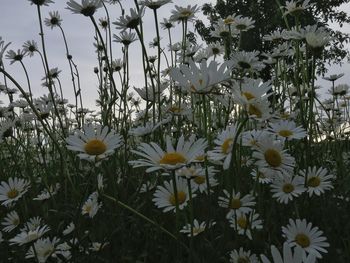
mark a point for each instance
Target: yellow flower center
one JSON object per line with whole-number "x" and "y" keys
{"x": 175, "y": 109}
{"x": 253, "y": 110}
{"x": 273, "y": 157}
{"x": 302, "y": 240}
{"x": 95, "y": 147}
{"x": 181, "y": 198}
{"x": 285, "y": 133}
{"x": 288, "y": 188}
{"x": 172, "y": 158}
{"x": 13, "y": 193}
{"x": 225, "y": 147}
{"x": 235, "y": 203}
{"x": 248, "y": 95}
{"x": 200, "y": 158}
{"x": 243, "y": 259}
{"x": 242, "y": 222}
{"x": 186, "y": 14}
{"x": 228, "y": 21}
{"x": 199, "y": 179}
{"x": 87, "y": 209}
{"x": 313, "y": 181}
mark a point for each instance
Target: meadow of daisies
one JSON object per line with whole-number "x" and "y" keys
{"x": 205, "y": 162}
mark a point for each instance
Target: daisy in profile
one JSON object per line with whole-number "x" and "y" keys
{"x": 91, "y": 205}
{"x": 155, "y": 158}
{"x": 240, "y": 256}
{"x": 301, "y": 234}
{"x": 286, "y": 187}
{"x": 197, "y": 174}
{"x": 181, "y": 14}
{"x": 243, "y": 23}
{"x": 155, "y": 4}
{"x": 250, "y": 90}
{"x": 197, "y": 228}
{"x": 224, "y": 145}
{"x": 245, "y": 223}
{"x": 130, "y": 21}
{"x": 86, "y": 8}
{"x": 69, "y": 229}
{"x": 262, "y": 176}
{"x": 46, "y": 248}
{"x": 247, "y": 61}
{"x": 40, "y": 2}
{"x": 318, "y": 180}
{"x": 94, "y": 143}
{"x": 10, "y": 222}
{"x": 295, "y": 8}
{"x": 288, "y": 255}
{"x": 13, "y": 190}
{"x": 236, "y": 204}
{"x": 165, "y": 198}
{"x": 27, "y": 235}
{"x": 270, "y": 155}
{"x": 200, "y": 79}
{"x": 251, "y": 138}
{"x": 287, "y": 129}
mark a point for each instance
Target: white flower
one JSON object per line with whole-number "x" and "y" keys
{"x": 243, "y": 23}
{"x": 287, "y": 129}
{"x": 241, "y": 256}
{"x": 164, "y": 197}
{"x": 46, "y": 248}
{"x": 86, "y": 8}
{"x": 235, "y": 203}
{"x": 270, "y": 155}
{"x": 296, "y": 7}
{"x": 130, "y": 21}
{"x": 286, "y": 187}
{"x": 27, "y": 236}
{"x": 247, "y": 61}
{"x": 13, "y": 190}
{"x": 95, "y": 143}
{"x": 245, "y": 223}
{"x": 302, "y": 234}
{"x": 250, "y": 91}
{"x": 48, "y": 193}
{"x": 318, "y": 180}
{"x": 91, "y": 205}
{"x": 201, "y": 79}
{"x": 224, "y": 145}
{"x": 288, "y": 255}
{"x": 154, "y": 157}
{"x": 11, "y": 221}
{"x": 69, "y": 229}
{"x": 183, "y": 13}
{"x": 197, "y": 228}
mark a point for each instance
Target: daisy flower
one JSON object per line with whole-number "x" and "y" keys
{"x": 286, "y": 187}
{"x": 243, "y": 23}
{"x": 288, "y": 255}
{"x": 262, "y": 176}
{"x": 200, "y": 80}
{"x": 247, "y": 61}
{"x": 13, "y": 190}
{"x": 318, "y": 180}
{"x": 48, "y": 193}
{"x": 13, "y": 56}
{"x": 29, "y": 47}
{"x": 301, "y": 234}
{"x": 27, "y": 236}
{"x": 224, "y": 145}
{"x": 94, "y": 143}
{"x": 236, "y": 204}
{"x": 251, "y": 90}
{"x": 126, "y": 38}
{"x": 91, "y": 205}
{"x": 54, "y": 20}
{"x": 241, "y": 256}
{"x": 69, "y": 229}
{"x": 10, "y": 222}
{"x": 245, "y": 223}
{"x": 164, "y": 197}
{"x": 155, "y": 4}
{"x": 86, "y": 8}
{"x": 197, "y": 228}
{"x": 197, "y": 174}
{"x": 251, "y": 138}
{"x": 185, "y": 153}
{"x": 270, "y": 155}
{"x": 287, "y": 129}
{"x": 40, "y": 2}
{"x": 130, "y": 21}
{"x": 46, "y": 248}
{"x": 259, "y": 109}
{"x": 295, "y": 8}
{"x": 181, "y": 14}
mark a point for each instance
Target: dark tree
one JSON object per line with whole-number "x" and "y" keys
{"x": 268, "y": 17}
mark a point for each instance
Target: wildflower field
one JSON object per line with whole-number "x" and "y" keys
{"x": 210, "y": 159}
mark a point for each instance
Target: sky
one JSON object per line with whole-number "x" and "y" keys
{"x": 19, "y": 23}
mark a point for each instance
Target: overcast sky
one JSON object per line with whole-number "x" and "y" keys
{"x": 19, "y": 23}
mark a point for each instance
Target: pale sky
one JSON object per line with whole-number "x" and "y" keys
{"x": 19, "y": 23}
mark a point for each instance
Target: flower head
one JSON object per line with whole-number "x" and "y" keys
{"x": 86, "y": 8}
{"x": 54, "y": 19}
